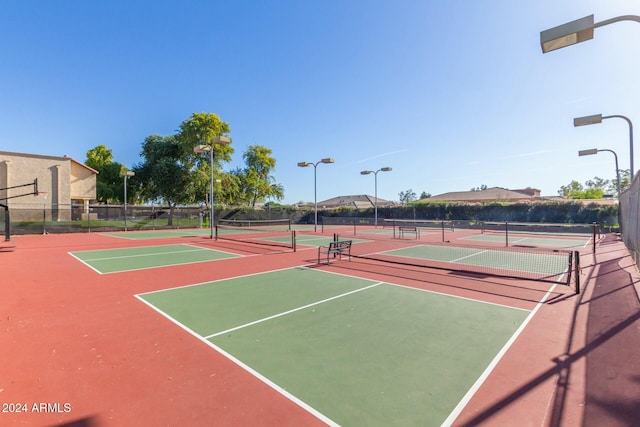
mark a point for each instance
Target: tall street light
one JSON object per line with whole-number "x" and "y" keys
{"x": 315, "y": 198}
{"x": 575, "y": 32}
{"x": 221, "y": 140}
{"x": 375, "y": 175}
{"x": 597, "y": 118}
{"x": 126, "y": 175}
{"x": 596, "y": 151}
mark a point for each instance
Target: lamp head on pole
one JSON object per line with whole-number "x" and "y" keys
{"x": 304, "y": 164}
{"x": 567, "y": 34}
{"x": 204, "y": 148}
{"x": 365, "y": 172}
{"x": 328, "y": 160}
{"x": 201, "y": 148}
{"x": 221, "y": 140}
{"x": 387, "y": 169}
{"x": 587, "y": 120}
{"x": 589, "y": 152}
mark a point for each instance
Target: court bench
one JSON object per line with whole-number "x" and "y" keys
{"x": 407, "y": 229}
{"x": 338, "y": 248}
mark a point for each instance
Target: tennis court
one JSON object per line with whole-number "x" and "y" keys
{"x": 139, "y": 258}
{"x": 351, "y": 351}
{"x": 400, "y": 334}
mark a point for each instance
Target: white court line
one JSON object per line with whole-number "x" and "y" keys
{"x": 88, "y": 265}
{"x": 145, "y": 255}
{"x": 275, "y": 386}
{"x": 193, "y": 245}
{"x": 246, "y": 367}
{"x": 219, "y": 280}
{"x": 483, "y": 377}
{"x": 468, "y": 256}
{"x": 284, "y": 313}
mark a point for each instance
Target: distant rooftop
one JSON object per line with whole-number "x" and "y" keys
{"x": 490, "y": 194}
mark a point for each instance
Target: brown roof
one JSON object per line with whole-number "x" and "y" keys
{"x": 490, "y": 194}
{"x": 358, "y": 201}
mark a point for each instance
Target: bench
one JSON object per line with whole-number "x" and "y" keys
{"x": 405, "y": 229}
{"x": 338, "y": 248}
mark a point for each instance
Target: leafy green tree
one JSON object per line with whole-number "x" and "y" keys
{"x": 625, "y": 182}
{"x": 109, "y": 182}
{"x": 571, "y": 191}
{"x": 203, "y": 129}
{"x": 425, "y": 195}
{"x": 597, "y": 183}
{"x": 407, "y": 197}
{"x": 256, "y": 180}
{"x": 481, "y": 188}
{"x": 594, "y": 189}
{"x": 165, "y": 173}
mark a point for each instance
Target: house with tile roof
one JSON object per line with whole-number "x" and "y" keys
{"x": 493, "y": 194}
{"x": 362, "y": 201}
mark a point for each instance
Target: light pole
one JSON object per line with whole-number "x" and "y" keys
{"x": 576, "y": 31}
{"x": 598, "y": 118}
{"x": 315, "y": 198}
{"x": 596, "y": 151}
{"x": 126, "y": 175}
{"x": 375, "y": 175}
{"x": 202, "y": 148}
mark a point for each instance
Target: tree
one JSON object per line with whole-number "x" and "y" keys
{"x": 425, "y": 195}
{"x": 109, "y": 182}
{"x": 597, "y": 183}
{"x": 407, "y": 196}
{"x": 575, "y": 190}
{"x": 165, "y": 173}
{"x": 625, "y": 182}
{"x": 202, "y": 129}
{"x": 481, "y": 188}
{"x": 571, "y": 191}
{"x": 256, "y": 183}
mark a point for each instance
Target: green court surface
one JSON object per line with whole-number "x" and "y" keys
{"x": 351, "y": 351}
{"x": 127, "y": 259}
{"x": 534, "y": 241}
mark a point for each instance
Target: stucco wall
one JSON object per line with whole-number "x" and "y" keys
{"x": 82, "y": 182}
{"x": 60, "y": 180}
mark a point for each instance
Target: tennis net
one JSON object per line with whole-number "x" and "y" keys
{"x": 548, "y": 265}
{"x": 260, "y": 224}
{"x": 265, "y": 233}
{"x": 564, "y": 235}
{"x": 554, "y": 229}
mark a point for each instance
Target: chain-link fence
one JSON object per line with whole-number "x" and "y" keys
{"x": 43, "y": 219}
{"x": 75, "y": 218}
{"x": 46, "y": 218}
{"x": 630, "y": 217}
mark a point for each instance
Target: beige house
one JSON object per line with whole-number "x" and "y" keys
{"x": 65, "y": 186}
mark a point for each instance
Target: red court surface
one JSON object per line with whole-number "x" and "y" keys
{"x": 78, "y": 348}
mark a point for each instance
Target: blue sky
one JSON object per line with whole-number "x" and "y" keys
{"x": 451, "y": 94}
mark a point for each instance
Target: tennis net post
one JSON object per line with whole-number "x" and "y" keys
{"x": 576, "y": 257}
